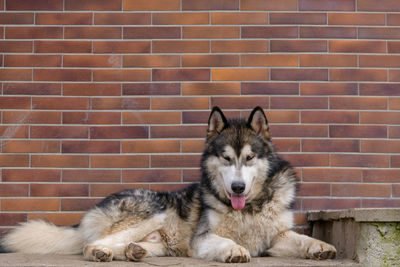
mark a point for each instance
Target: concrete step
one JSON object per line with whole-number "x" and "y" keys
{"x": 16, "y": 259}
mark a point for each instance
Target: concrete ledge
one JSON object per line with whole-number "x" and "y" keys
{"x": 15, "y": 259}
{"x": 358, "y": 215}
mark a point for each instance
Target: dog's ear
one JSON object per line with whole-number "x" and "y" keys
{"x": 216, "y": 122}
{"x": 258, "y": 122}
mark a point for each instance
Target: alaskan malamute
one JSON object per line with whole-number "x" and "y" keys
{"x": 240, "y": 209}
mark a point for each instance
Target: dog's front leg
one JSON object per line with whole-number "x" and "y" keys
{"x": 215, "y": 248}
{"x": 292, "y": 244}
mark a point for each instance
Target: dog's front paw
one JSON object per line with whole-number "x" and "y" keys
{"x": 319, "y": 250}
{"x": 98, "y": 253}
{"x": 134, "y": 252}
{"x": 237, "y": 254}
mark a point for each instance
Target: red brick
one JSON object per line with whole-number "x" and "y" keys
{"x": 299, "y": 74}
{"x": 328, "y": 32}
{"x": 59, "y": 132}
{"x": 358, "y": 103}
{"x": 299, "y": 102}
{"x": 268, "y": 5}
{"x": 31, "y": 175}
{"x": 181, "y": 74}
{"x": 202, "y": 116}
{"x": 122, "y": 19}
{"x": 210, "y": 61}
{"x": 92, "y": 61}
{"x": 180, "y": 18}
{"x": 328, "y": 61}
{"x": 34, "y": 32}
{"x": 16, "y": 18}
{"x": 381, "y": 175}
{"x": 391, "y": 61}
{"x": 269, "y": 32}
{"x": 63, "y": 46}
{"x": 210, "y": 5}
{"x": 150, "y": 146}
{"x": 151, "y": 61}
{"x": 146, "y": 176}
{"x": 152, "y": 33}
{"x": 178, "y": 161}
{"x": 116, "y": 75}
{"x": 380, "y": 203}
{"x": 151, "y": 5}
{"x": 394, "y": 75}
{"x": 118, "y": 132}
{"x": 379, "y": 118}
{"x": 63, "y": 19}
{"x": 210, "y": 32}
{"x": 282, "y": 116}
{"x": 287, "y": 145}
{"x": 151, "y": 117}
{"x": 14, "y": 131}
{"x": 395, "y": 161}
{"x": 180, "y": 46}
{"x": 27, "y": 204}
{"x": 8, "y": 219}
{"x": 357, "y": 131}
{"x": 93, "y": 5}
{"x": 120, "y": 103}
{"x": 59, "y": 190}
{"x": 328, "y": 89}
{"x": 357, "y": 46}
{"x": 78, "y": 204}
{"x": 379, "y": 33}
{"x": 299, "y": 131}
{"x": 178, "y": 131}
{"x": 90, "y": 146}
{"x": 168, "y": 187}
{"x": 16, "y": 46}
{"x": 30, "y": 146}
{"x": 191, "y": 175}
{"x": 270, "y": 60}
{"x": 119, "y": 161}
{"x": 394, "y": 132}
{"x": 92, "y": 32}
{"x": 210, "y": 88}
{"x": 330, "y": 204}
{"x": 298, "y": 18}
{"x": 270, "y": 88}
{"x": 242, "y": 102}
{"x": 192, "y": 146}
{"x": 241, "y": 18}
{"x": 58, "y": 103}
{"x": 180, "y": 103}
{"x": 298, "y": 45}
{"x": 384, "y": 5}
{"x": 307, "y": 160}
{"x": 380, "y": 146}
{"x": 358, "y": 160}
{"x": 360, "y": 190}
{"x": 239, "y": 46}
{"x": 356, "y": 19}
{"x": 62, "y": 75}
{"x": 8, "y": 102}
{"x": 15, "y": 75}
{"x": 31, "y": 89}
{"x": 103, "y": 190}
{"x": 37, "y": 5}
{"x": 91, "y": 117}
{"x": 91, "y": 89}
{"x": 121, "y": 47}
{"x": 61, "y": 219}
{"x": 91, "y": 176}
{"x": 13, "y": 190}
{"x": 32, "y": 61}
{"x": 248, "y": 74}
{"x": 60, "y": 161}
{"x": 314, "y": 189}
{"x": 380, "y": 89}
{"x": 309, "y": 145}
{"x": 329, "y": 116}
{"x": 331, "y": 175}
{"x": 326, "y": 5}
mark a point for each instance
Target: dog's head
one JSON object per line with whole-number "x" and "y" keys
{"x": 236, "y": 158}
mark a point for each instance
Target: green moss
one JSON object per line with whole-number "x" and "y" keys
{"x": 390, "y": 235}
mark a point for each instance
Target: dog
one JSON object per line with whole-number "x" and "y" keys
{"x": 241, "y": 208}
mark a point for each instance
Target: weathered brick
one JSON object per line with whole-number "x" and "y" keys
{"x": 359, "y": 160}
{"x": 119, "y": 161}
{"x": 60, "y": 161}
{"x": 37, "y": 5}
{"x": 267, "y": 5}
{"x": 180, "y": 18}
{"x": 63, "y": 19}
{"x": 211, "y": 88}
{"x": 374, "y": 103}
{"x": 59, "y": 190}
{"x": 31, "y": 175}
{"x": 90, "y": 147}
{"x": 356, "y": 19}
{"x": 91, "y": 176}
{"x": 241, "y": 18}
{"x": 93, "y": 5}
{"x": 31, "y": 146}
{"x": 360, "y": 190}
{"x": 151, "y": 5}
{"x": 210, "y": 32}
{"x": 310, "y": 145}
{"x": 247, "y": 74}
{"x": 329, "y": 116}
{"x": 326, "y": 5}
{"x": 150, "y": 146}
{"x": 122, "y": 18}
{"x": 331, "y": 175}
{"x": 270, "y": 88}
{"x": 30, "y": 204}
{"x": 357, "y": 131}
{"x": 357, "y": 46}
{"x": 328, "y": 88}
{"x": 299, "y": 102}
{"x": 147, "y": 176}
{"x": 297, "y": 18}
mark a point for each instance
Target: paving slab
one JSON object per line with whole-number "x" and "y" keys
{"x": 24, "y": 260}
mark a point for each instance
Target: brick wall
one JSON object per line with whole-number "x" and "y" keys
{"x": 102, "y": 95}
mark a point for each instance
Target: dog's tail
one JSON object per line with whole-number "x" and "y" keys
{"x": 39, "y": 237}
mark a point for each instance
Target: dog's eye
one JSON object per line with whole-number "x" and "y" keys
{"x": 227, "y": 158}
{"x": 250, "y": 157}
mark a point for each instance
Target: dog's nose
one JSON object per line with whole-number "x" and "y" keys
{"x": 238, "y": 187}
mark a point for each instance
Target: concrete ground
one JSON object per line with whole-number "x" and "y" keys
{"x": 15, "y": 259}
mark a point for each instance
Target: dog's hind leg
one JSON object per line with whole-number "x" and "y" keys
{"x": 292, "y": 244}
{"x": 114, "y": 245}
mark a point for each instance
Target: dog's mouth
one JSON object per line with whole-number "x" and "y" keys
{"x": 238, "y": 201}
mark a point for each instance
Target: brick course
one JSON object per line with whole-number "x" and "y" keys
{"x": 100, "y": 96}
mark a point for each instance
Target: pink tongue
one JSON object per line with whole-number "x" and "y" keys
{"x": 238, "y": 202}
